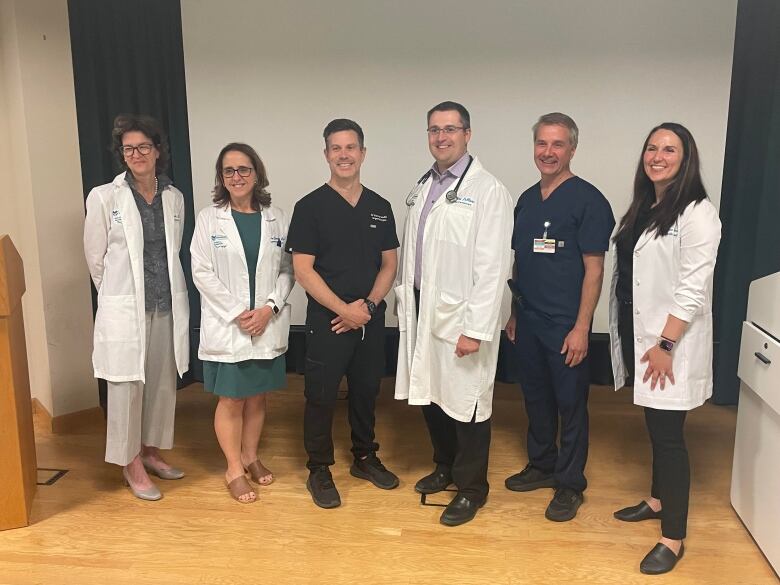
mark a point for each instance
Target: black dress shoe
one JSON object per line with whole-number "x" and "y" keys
{"x": 459, "y": 511}
{"x": 660, "y": 560}
{"x": 434, "y": 482}
{"x": 641, "y": 511}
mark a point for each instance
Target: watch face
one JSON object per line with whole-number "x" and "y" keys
{"x": 666, "y": 345}
{"x": 371, "y": 306}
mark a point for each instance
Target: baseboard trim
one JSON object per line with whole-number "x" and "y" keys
{"x": 66, "y": 423}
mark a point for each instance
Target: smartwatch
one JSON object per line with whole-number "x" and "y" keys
{"x": 666, "y": 344}
{"x": 273, "y": 306}
{"x": 371, "y": 306}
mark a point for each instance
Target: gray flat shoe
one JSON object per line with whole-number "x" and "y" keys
{"x": 171, "y": 473}
{"x": 152, "y": 494}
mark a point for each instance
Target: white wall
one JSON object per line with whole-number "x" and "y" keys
{"x": 42, "y": 202}
{"x": 273, "y": 74}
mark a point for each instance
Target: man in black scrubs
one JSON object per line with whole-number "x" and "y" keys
{"x": 562, "y": 229}
{"x": 343, "y": 241}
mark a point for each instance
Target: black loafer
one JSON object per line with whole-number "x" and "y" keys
{"x": 459, "y": 511}
{"x": 434, "y": 482}
{"x": 660, "y": 560}
{"x": 641, "y": 511}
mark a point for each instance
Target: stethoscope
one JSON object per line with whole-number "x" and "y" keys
{"x": 451, "y": 196}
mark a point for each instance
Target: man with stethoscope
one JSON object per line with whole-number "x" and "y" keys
{"x": 454, "y": 264}
{"x": 562, "y": 229}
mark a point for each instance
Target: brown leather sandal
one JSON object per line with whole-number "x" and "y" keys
{"x": 240, "y": 487}
{"x": 257, "y": 471}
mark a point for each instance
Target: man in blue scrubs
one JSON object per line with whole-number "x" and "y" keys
{"x": 562, "y": 229}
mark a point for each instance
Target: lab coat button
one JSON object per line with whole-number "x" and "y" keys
{"x": 639, "y": 339}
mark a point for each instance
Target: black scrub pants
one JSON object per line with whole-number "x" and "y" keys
{"x": 461, "y": 447}
{"x": 671, "y": 467}
{"x": 553, "y": 391}
{"x": 358, "y": 355}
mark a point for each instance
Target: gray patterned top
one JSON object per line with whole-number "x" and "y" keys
{"x": 156, "y": 281}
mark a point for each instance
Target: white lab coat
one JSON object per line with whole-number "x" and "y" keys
{"x": 114, "y": 248}
{"x": 219, "y": 270}
{"x": 466, "y": 263}
{"x": 672, "y": 276}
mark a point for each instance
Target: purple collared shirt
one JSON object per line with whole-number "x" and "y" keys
{"x": 438, "y": 182}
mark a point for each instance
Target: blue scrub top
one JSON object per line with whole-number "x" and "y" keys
{"x": 581, "y": 222}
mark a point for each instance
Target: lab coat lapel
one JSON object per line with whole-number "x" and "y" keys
{"x": 227, "y": 226}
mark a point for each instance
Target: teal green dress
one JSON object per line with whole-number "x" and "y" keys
{"x": 250, "y": 377}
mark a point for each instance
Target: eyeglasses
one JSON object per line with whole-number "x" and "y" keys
{"x": 143, "y": 149}
{"x": 435, "y": 130}
{"x": 228, "y": 172}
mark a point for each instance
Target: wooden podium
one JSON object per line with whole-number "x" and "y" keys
{"x": 17, "y": 440}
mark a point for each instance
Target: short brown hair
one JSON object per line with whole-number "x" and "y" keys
{"x": 260, "y": 196}
{"x": 125, "y": 123}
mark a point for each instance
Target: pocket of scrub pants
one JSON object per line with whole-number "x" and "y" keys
{"x": 314, "y": 372}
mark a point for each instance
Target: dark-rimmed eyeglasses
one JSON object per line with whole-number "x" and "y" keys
{"x": 143, "y": 149}
{"x": 228, "y": 172}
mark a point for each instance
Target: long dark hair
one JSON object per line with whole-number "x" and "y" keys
{"x": 685, "y": 188}
{"x": 260, "y": 197}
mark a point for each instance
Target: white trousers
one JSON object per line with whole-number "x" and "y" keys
{"x": 141, "y": 413}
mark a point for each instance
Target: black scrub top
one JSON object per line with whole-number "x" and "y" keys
{"x": 580, "y": 221}
{"x": 625, "y": 253}
{"x": 347, "y": 242}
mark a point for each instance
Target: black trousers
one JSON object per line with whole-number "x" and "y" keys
{"x": 462, "y": 448}
{"x": 553, "y": 392}
{"x": 671, "y": 468}
{"x": 359, "y": 356}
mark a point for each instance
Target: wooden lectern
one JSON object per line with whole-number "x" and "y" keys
{"x": 17, "y": 440}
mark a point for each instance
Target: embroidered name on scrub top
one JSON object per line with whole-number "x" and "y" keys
{"x": 544, "y": 245}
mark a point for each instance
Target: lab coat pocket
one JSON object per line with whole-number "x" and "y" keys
{"x": 400, "y": 306}
{"x": 280, "y": 329}
{"x": 456, "y": 225}
{"x": 447, "y": 323}
{"x": 215, "y": 334}
{"x": 116, "y": 319}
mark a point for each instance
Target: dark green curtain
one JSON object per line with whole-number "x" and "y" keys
{"x": 129, "y": 57}
{"x": 750, "y": 198}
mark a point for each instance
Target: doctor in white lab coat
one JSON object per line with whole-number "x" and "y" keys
{"x": 452, "y": 279}
{"x": 661, "y": 320}
{"x": 244, "y": 276}
{"x": 132, "y": 235}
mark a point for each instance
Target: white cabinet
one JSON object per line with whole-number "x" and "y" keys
{"x": 755, "y": 479}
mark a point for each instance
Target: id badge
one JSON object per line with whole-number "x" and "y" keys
{"x": 544, "y": 246}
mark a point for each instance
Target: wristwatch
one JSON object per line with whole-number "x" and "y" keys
{"x": 273, "y": 306}
{"x": 666, "y": 344}
{"x": 371, "y": 306}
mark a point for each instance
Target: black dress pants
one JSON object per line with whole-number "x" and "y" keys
{"x": 462, "y": 448}
{"x": 671, "y": 468}
{"x": 358, "y": 355}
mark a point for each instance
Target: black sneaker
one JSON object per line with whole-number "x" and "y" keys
{"x": 322, "y": 489}
{"x": 371, "y": 468}
{"x": 564, "y": 505}
{"x": 531, "y": 478}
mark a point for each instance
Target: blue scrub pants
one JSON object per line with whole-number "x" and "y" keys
{"x": 552, "y": 390}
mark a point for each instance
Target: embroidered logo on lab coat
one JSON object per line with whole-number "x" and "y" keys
{"x": 116, "y": 215}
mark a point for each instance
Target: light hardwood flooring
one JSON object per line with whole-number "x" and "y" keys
{"x": 87, "y": 528}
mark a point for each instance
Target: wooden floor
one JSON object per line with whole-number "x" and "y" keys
{"x": 88, "y": 529}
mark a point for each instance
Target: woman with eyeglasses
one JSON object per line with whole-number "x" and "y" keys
{"x": 244, "y": 277}
{"x": 132, "y": 236}
{"x": 661, "y": 321}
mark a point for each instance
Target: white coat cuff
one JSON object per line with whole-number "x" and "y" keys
{"x": 481, "y": 335}
{"x": 681, "y": 314}
{"x": 235, "y": 312}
